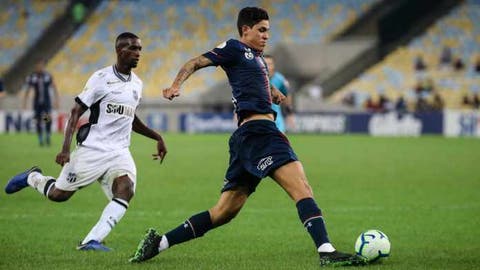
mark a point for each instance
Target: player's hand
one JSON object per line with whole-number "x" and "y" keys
{"x": 62, "y": 158}
{"x": 171, "y": 92}
{"x": 161, "y": 151}
{"x": 277, "y": 96}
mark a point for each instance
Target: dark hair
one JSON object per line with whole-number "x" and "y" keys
{"x": 123, "y": 36}
{"x": 250, "y": 16}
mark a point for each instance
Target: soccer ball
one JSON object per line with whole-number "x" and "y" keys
{"x": 373, "y": 245}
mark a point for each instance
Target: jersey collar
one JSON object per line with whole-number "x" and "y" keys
{"x": 115, "y": 71}
{"x": 254, "y": 51}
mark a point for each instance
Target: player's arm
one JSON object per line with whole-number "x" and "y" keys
{"x": 288, "y": 103}
{"x": 277, "y": 96}
{"x": 187, "y": 69}
{"x": 139, "y": 127}
{"x": 64, "y": 155}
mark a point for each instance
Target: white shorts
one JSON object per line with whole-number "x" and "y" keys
{"x": 87, "y": 166}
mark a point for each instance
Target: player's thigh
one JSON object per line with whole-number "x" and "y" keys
{"x": 291, "y": 177}
{"x": 84, "y": 168}
{"x": 120, "y": 179}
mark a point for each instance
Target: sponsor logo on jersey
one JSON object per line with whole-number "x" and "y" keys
{"x": 248, "y": 54}
{"x": 264, "y": 163}
{"x": 120, "y": 109}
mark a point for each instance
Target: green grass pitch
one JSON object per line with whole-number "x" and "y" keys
{"x": 424, "y": 193}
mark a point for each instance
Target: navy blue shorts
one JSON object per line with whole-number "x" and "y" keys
{"x": 257, "y": 149}
{"x": 41, "y": 110}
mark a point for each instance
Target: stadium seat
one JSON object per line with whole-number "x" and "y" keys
{"x": 21, "y": 23}
{"x": 459, "y": 30}
{"x": 171, "y": 34}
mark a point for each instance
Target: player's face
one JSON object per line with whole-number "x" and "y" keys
{"x": 40, "y": 66}
{"x": 256, "y": 36}
{"x": 270, "y": 65}
{"x": 130, "y": 53}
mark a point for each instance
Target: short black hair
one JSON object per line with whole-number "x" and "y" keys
{"x": 250, "y": 16}
{"x": 123, "y": 36}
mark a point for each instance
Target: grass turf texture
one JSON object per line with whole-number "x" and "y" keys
{"x": 422, "y": 192}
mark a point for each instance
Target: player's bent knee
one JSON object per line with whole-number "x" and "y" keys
{"x": 123, "y": 188}
{"x": 221, "y": 216}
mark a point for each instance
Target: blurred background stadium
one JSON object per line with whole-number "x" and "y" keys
{"x": 355, "y": 66}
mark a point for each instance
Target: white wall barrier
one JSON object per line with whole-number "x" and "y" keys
{"x": 461, "y": 123}
{"x": 450, "y": 123}
{"x": 23, "y": 121}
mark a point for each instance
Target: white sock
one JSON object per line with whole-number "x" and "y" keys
{"x": 163, "y": 244}
{"x": 38, "y": 181}
{"x": 111, "y": 215}
{"x": 326, "y": 247}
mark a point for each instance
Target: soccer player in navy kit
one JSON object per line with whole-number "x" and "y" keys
{"x": 45, "y": 95}
{"x": 257, "y": 148}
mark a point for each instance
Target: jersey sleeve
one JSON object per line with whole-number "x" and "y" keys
{"x": 285, "y": 87}
{"x": 222, "y": 55}
{"x": 140, "y": 94}
{"x": 94, "y": 90}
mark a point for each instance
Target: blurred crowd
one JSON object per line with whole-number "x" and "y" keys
{"x": 427, "y": 97}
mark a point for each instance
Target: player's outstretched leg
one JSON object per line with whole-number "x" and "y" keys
{"x": 338, "y": 258}
{"x": 93, "y": 245}
{"x": 19, "y": 181}
{"x": 148, "y": 247}
{"x": 312, "y": 219}
{"x": 153, "y": 243}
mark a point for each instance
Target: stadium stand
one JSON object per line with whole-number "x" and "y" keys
{"x": 21, "y": 23}
{"x": 171, "y": 32}
{"x": 396, "y": 75}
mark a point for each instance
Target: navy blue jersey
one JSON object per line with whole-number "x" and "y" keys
{"x": 41, "y": 82}
{"x": 247, "y": 74}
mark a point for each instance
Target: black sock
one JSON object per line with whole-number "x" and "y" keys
{"x": 46, "y": 189}
{"x": 312, "y": 220}
{"x": 195, "y": 226}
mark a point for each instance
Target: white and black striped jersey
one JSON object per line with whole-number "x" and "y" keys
{"x": 112, "y": 99}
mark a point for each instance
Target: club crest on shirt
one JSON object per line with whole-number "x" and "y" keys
{"x": 248, "y": 54}
{"x": 71, "y": 177}
{"x": 135, "y": 95}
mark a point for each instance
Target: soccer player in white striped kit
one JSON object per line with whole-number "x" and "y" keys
{"x": 112, "y": 95}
